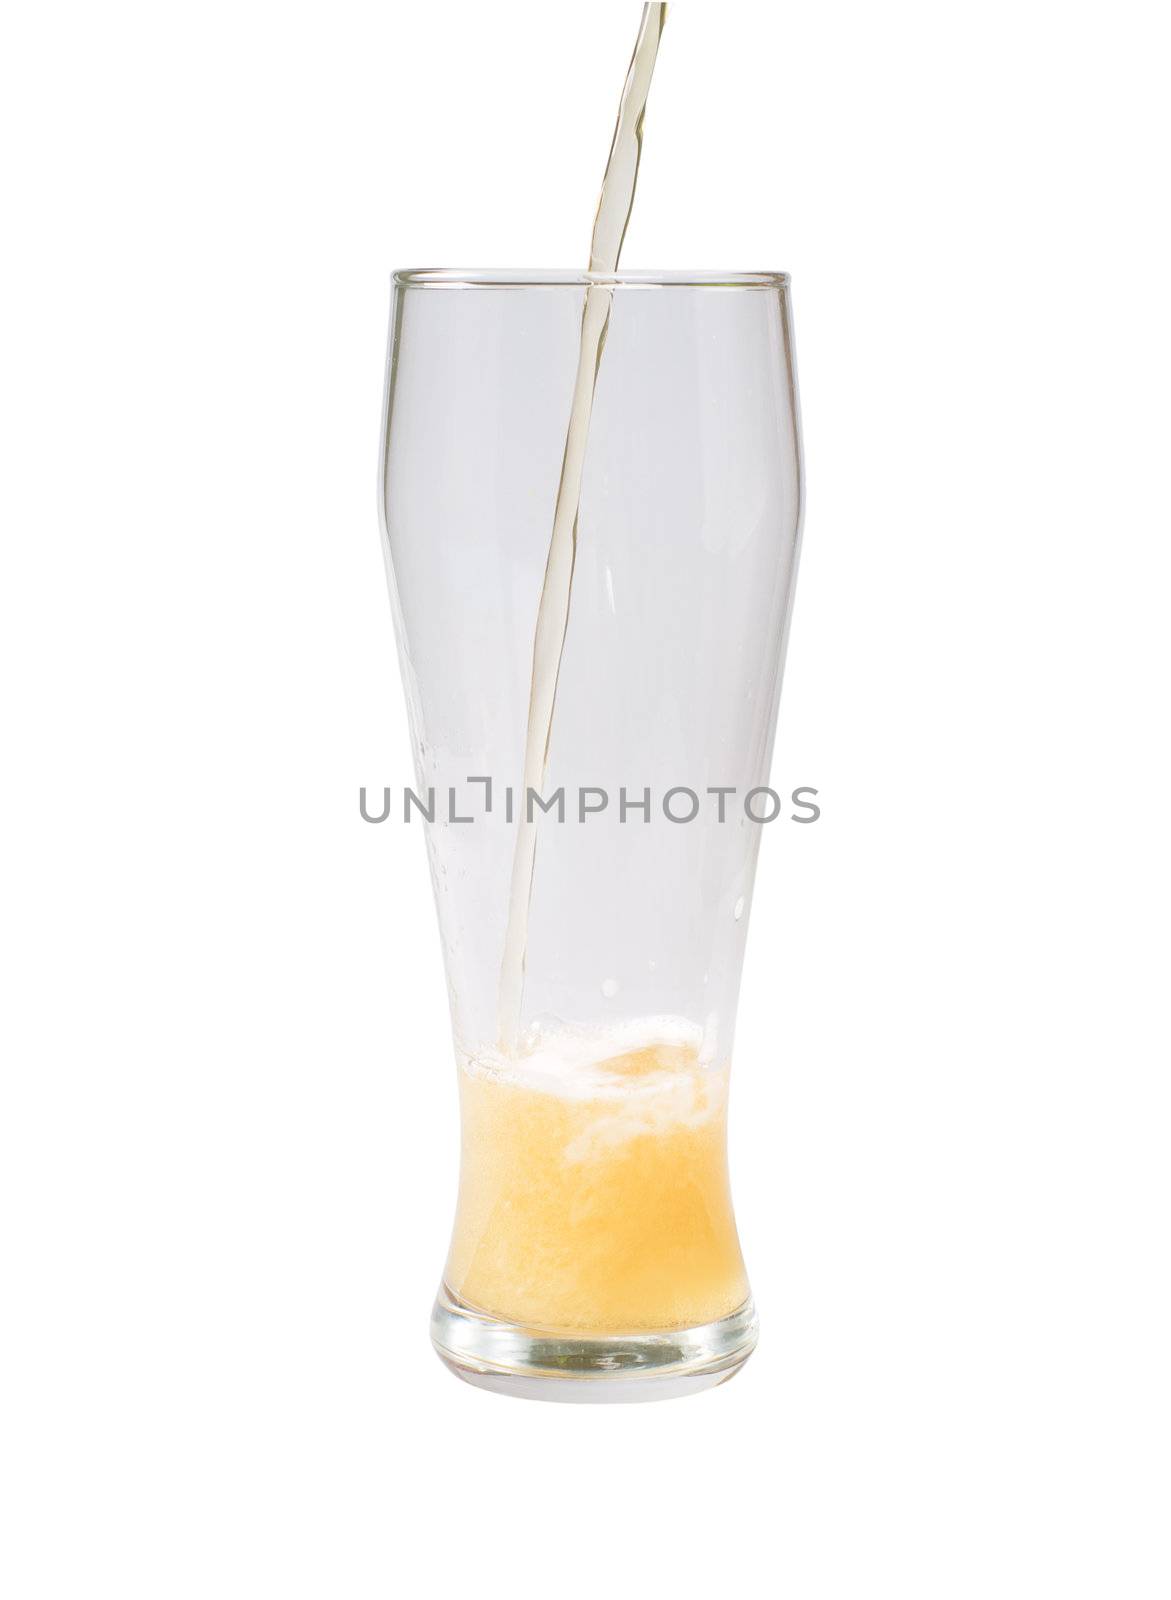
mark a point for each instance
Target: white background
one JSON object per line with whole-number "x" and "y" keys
{"x": 229, "y": 1118}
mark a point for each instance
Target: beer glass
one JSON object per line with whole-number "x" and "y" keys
{"x": 594, "y": 1254}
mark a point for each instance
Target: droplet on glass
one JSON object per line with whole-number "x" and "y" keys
{"x": 610, "y": 987}
{"x": 738, "y": 908}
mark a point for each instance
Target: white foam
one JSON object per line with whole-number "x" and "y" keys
{"x": 556, "y": 1058}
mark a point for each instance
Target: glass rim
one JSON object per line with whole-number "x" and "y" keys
{"x": 573, "y": 278}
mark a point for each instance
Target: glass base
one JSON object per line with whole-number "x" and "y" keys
{"x": 539, "y": 1364}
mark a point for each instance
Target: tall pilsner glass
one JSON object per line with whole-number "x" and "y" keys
{"x": 594, "y": 1253}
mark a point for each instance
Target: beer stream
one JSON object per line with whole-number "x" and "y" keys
{"x": 614, "y": 207}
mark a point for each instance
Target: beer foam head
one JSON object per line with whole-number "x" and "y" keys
{"x": 626, "y": 1059}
